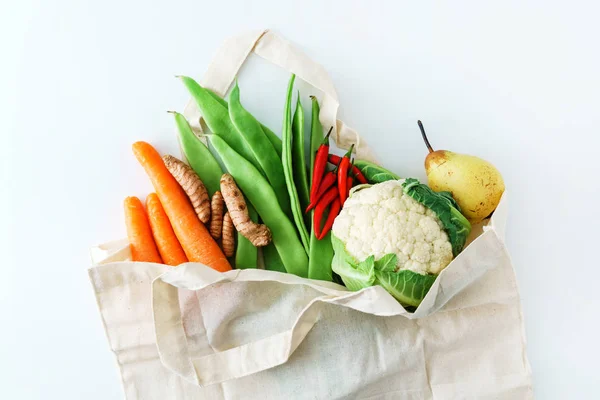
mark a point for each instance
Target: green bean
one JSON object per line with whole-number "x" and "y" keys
{"x": 298, "y": 160}
{"x": 246, "y": 255}
{"x": 218, "y": 98}
{"x": 263, "y": 198}
{"x": 316, "y": 133}
{"x": 273, "y": 138}
{"x": 217, "y": 119}
{"x": 199, "y": 157}
{"x": 321, "y": 251}
{"x": 261, "y": 148}
{"x": 286, "y": 158}
{"x": 271, "y": 258}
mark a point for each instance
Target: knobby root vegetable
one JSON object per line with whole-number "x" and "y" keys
{"x": 261, "y": 195}
{"x": 258, "y": 234}
{"x": 228, "y": 240}
{"x": 168, "y": 246}
{"x": 195, "y": 239}
{"x": 216, "y": 221}
{"x": 139, "y": 233}
{"x": 192, "y": 186}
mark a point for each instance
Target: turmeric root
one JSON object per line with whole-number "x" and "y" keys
{"x": 258, "y": 234}
{"x": 216, "y": 221}
{"x": 228, "y": 240}
{"x": 192, "y": 186}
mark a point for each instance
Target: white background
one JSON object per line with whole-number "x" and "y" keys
{"x": 514, "y": 82}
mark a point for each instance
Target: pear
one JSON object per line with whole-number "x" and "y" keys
{"x": 475, "y": 184}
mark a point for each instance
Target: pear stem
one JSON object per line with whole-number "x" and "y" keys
{"x": 424, "y": 136}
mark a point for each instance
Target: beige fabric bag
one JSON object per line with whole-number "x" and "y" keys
{"x": 193, "y": 333}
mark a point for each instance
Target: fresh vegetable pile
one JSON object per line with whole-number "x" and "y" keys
{"x": 317, "y": 215}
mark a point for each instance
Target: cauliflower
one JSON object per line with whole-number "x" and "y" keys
{"x": 399, "y": 234}
{"x": 383, "y": 220}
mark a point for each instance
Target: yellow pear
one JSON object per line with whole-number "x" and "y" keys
{"x": 475, "y": 184}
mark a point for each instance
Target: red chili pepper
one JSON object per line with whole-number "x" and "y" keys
{"x": 322, "y": 204}
{"x": 334, "y": 210}
{"x": 328, "y": 180}
{"x": 319, "y": 166}
{"x": 359, "y": 175}
{"x": 335, "y": 160}
{"x": 349, "y": 182}
{"x": 343, "y": 174}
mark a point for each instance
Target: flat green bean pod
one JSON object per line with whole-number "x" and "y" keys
{"x": 260, "y": 147}
{"x": 271, "y": 258}
{"x": 198, "y": 155}
{"x": 273, "y": 138}
{"x": 217, "y": 119}
{"x": 256, "y": 188}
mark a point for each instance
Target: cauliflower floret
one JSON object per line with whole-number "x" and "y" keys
{"x": 382, "y": 219}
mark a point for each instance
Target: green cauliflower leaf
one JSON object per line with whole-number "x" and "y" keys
{"x": 408, "y": 287}
{"x": 446, "y": 208}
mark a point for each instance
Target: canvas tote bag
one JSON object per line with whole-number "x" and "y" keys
{"x": 193, "y": 333}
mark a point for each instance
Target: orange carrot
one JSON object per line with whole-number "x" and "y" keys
{"x": 168, "y": 246}
{"x": 139, "y": 234}
{"x": 196, "y": 241}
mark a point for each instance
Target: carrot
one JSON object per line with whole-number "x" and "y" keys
{"x": 168, "y": 246}
{"x": 139, "y": 234}
{"x": 195, "y": 239}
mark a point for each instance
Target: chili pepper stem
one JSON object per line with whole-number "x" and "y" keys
{"x": 326, "y": 138}
{"x": 349, "y": 152}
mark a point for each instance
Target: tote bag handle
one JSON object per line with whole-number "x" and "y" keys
{"x": 233, "y": 53}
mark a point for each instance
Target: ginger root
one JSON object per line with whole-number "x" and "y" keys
{"x": 216, "y": 222}
{"x": 228, "y": 240}
{"x": 192, "y": 186}
{"x": 258, "y": 234}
